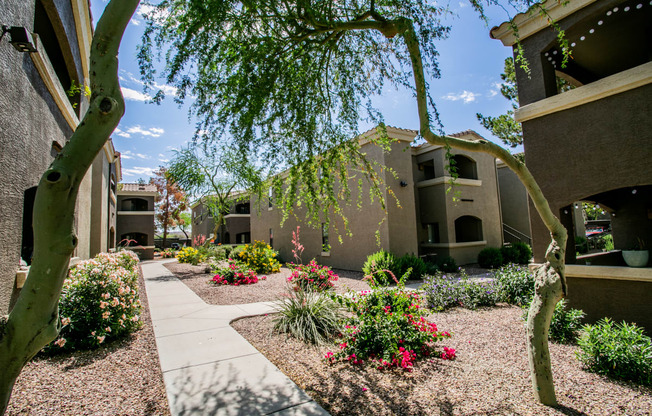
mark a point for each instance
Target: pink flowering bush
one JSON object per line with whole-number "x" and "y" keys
{"x": 311, "y": 276}
{"x": 99, "y": 302}
{"x": 388, "y": 328}
{"x": 235, "y": 274}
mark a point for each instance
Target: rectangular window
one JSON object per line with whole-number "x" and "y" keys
{"x": 270, "y": 195}
{"x": 433, "y": 232}
{"x": 325, "y": 246}
{"x": 271, "y": 238}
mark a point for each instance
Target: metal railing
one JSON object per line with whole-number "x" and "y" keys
{"x": 516, "y": 234}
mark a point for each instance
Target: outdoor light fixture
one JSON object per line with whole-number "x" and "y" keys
{"x": 20, "y": 38}
{"x": 403, "y": 184}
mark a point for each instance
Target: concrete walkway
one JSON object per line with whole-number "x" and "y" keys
{"x": 208, "y": 368}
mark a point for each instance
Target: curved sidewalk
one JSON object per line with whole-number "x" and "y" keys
{"x": 208, "y": 367}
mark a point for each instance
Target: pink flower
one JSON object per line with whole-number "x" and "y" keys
{"x": 60, "y": 342}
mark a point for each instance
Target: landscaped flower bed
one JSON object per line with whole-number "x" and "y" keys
{"x": 235, "y": 274}
{"x": 312, "y": 276}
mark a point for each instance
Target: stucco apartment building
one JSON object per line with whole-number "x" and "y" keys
{"x": 235, "y": 230}
{"x": 429, "y": 221}
{"x": 135, "y": 224}
{"x": 592, "y": 143}
{"x": 37, "y": 117}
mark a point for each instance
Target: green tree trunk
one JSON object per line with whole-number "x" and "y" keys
{"x": 550, "y": 284}
{"x": 34, "y": 320}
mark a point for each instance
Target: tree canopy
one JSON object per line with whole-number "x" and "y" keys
{"x": 291, "y": 80}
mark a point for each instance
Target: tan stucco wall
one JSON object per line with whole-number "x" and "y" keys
{"x": 436, "y": 205}
{"x": 99, "y": 209}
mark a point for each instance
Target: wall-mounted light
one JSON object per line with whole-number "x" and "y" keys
{"x": 20, "y": 38}
{"x": 403, "y": 184}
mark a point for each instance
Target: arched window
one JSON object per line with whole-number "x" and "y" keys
{"x": 134, "y": 204}
{"x": 468, "y": 228}
{"x": 466, "y": 167}
{"x": 133, "y": 239}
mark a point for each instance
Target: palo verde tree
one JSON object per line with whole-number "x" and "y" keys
{"x": 216, "y": 178}
{"x": 34, "y": 320}
{"x": 290, "y": 80}
{"x": 170, "y": 201}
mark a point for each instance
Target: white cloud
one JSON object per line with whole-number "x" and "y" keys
{"x": 135, "y": 22}
{"x": 152, "y": 132}
{"x": 495, "y": 89}
{"x": 164, "y": 160}
{"x": 121, "y": 133}
{"x": 128, "y": 154}
{"x": 138, "y": 171}
{"x": 466, "y": 96}
{"x": 462, "y": 4}
{"x": 134, "y": 95}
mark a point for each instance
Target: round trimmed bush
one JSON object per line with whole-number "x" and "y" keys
{"x": 510, "y": 254}
{"x": 490, "y": 258}
{"x": 410, "y": 261}
{"x": 524, "y": 252}
{"x": 448, "y": 265}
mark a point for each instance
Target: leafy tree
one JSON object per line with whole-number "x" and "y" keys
{"x": 504, "y": 126}
{"x": 170, "y": 201}
{"x": 216, "y": 178}
{"x": 290, "y": 80}
{"x": 34, "y": 320}
{"x": 184, "y": 223}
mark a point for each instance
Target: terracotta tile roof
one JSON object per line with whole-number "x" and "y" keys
{"x": 136, "y": 187}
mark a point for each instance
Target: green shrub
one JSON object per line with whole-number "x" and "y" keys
{"x": 565, "y": 324}
{"x": 509, "y": 254}
{"x": 217, "y": 253}
{"x": 377, "y": 265}
{"x": 259, "y": 256}
{"x": 312, "y": 277}
{"x": 308, "y": 316}
{"x": 410, "y": 261}
{"x": 515, "y": 284}
{"x": 235, "y": 251}
{"x": 620, "y": 351}
{"x": 448, "y": 265}
{"x": 99, "y": 302}
{"x": 431, "y": 268}
{"x": 524, "y": 252}
{"x": 581, "y": 244}
{"x": 190, "y": 255}
{"x": 608, "y": 241}
{"x": 490, "y": 258}
{"x": 444, "y": 292}
{"x": 389, "y": 328}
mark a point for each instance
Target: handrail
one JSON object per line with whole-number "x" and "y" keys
{"x": 516, "y": 234}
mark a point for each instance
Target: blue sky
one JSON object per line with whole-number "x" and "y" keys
{"x": 470, "y": 63}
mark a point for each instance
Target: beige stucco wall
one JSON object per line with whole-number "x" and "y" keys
{"x": 396, "y": 228}
{"x": 99, "y": 208}
{"x": 477, "y": 198}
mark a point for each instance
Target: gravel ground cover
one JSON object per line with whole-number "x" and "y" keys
{"x": 490, "y": 375}
{"x": 270, "y": 289}
{"x": 123, "y": 378}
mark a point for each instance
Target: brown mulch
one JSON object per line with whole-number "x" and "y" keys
{"x": 123, "y": 378}
{"x": 490, "y": 375}
{"x": 270, "y": 289}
